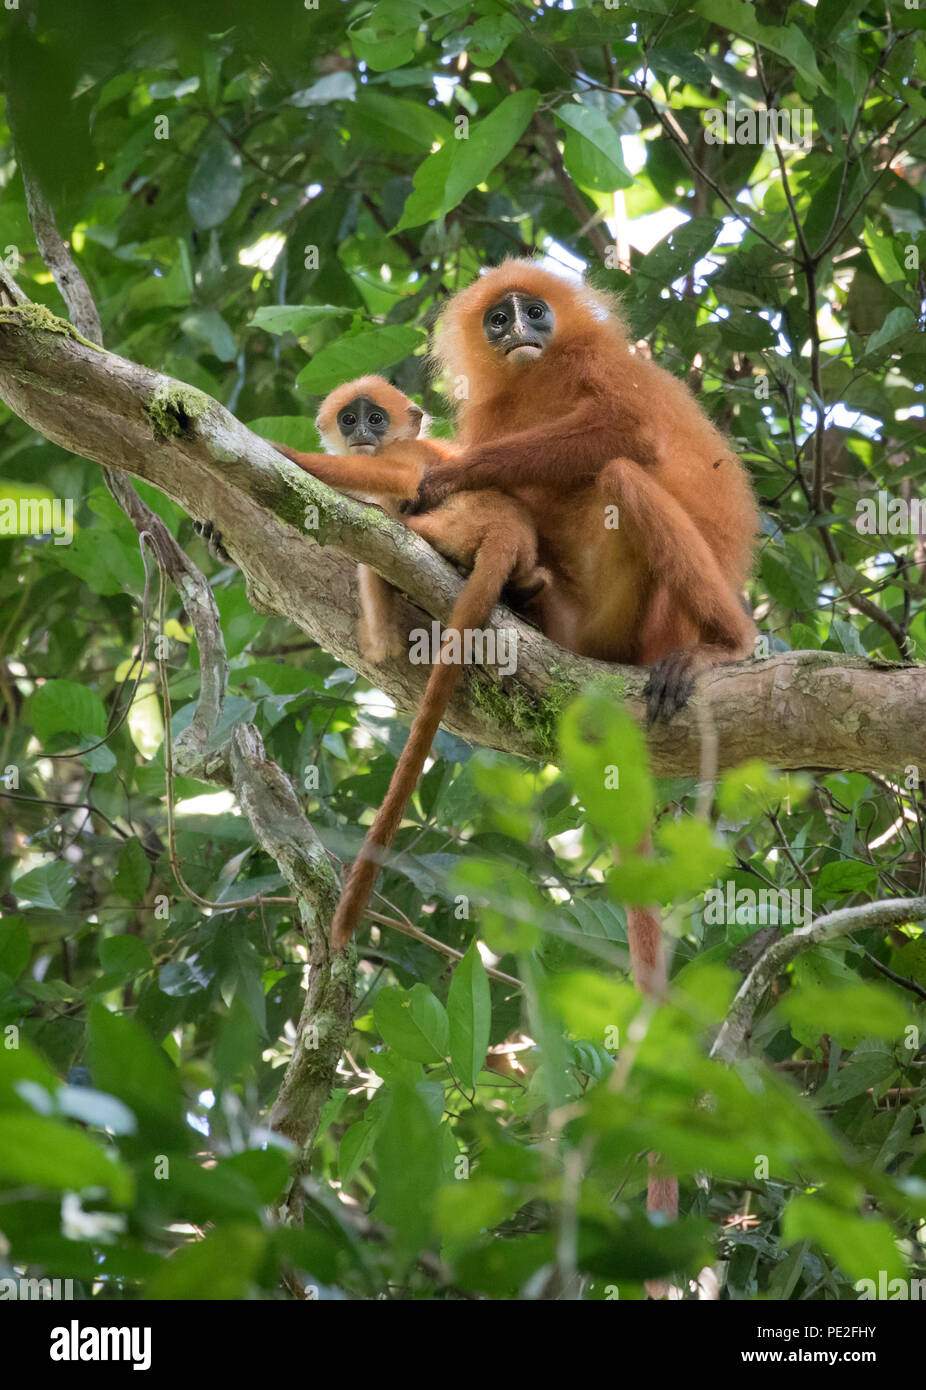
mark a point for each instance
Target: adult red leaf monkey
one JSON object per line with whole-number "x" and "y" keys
{"x": 559, "y": 413}
{"x": 488, "y": 533}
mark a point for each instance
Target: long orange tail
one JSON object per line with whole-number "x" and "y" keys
{"x": 650, "y": 975}
{"x": 474, "y": 603}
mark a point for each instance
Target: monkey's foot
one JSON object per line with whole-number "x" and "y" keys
{"x": 212, "y": 540}
{"x": 381, "y": 646}
{"x": 670, "y": 684}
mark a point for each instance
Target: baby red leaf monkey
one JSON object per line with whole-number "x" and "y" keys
{"x": 486, "y": 532}
{"x": 355, "y": 422}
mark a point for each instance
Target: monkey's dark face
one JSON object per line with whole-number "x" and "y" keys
{"x": 363, "y": 425}
{"x": 519, "y": 326}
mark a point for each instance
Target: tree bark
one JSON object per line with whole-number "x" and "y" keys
{"x": 297, "y": 540}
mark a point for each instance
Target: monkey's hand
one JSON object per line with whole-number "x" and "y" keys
{"x": 435, "y": 487}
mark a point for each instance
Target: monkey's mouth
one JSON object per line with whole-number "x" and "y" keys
{"x": 529, "y": 347}
{"x": 365, "y": 448}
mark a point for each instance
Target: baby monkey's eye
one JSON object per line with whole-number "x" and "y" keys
{"x": 376, "y": 417}
{"x": 499, "y": 320}
{"x": 349, "y": 420}
{"x": 535, "y": 312}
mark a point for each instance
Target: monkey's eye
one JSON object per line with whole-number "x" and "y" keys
{"x": 349, "y": 420}
{"x": 376, "y": 417}
{"x": 535, "y": 312}
{"x": 498, "y": 319}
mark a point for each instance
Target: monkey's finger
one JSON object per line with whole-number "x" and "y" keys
{"x": 212, "y": 540}
{"x": 669, "y": 687}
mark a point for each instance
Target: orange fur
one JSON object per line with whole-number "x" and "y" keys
{"x": 582, "y": 429}
{"x": 489, "y": 534}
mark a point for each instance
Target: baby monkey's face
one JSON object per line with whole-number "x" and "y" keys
{"x": 363, "y": 425}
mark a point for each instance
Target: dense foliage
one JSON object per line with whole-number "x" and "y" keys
{"x": 266, "y": 200}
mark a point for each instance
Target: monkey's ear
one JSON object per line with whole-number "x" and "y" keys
{"x": 415, "y": 417}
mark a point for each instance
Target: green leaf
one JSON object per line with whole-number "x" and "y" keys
{"x": 592, "y": 153}
{"x": 847, "y": 1014}
{"x": 124, "y": 956}
{"x": 219, "y": 1267}
{"x": 126, "y": 1062}
{"x": 689, "y": 859}
{"x": 386, "y": 37}
{"x": 413, "y": 1022}
{"x": 445, "y": 177}
{"x": 408, "y": 127}
{"x": 469, "y": 1008}
{"x": 898, "y": 323}
{"x": 294, "y": 318}
{"x": 208, "y": 327}
{"x": 65, "y": 707}
{"x": 862, "y": 1245}
{"x": 864, "y": 1073}
{"x": 594, "y": 1007}
{"x": 371, "y": 351}
{"x": 357, "y": 1146}
{"x": 215, "y": 184}
{"x": 48, "y": 886}
{"x": 39, "y": 1152}
{"x": 133, "y": 872}
{"x": 334, "y": 86}
{"x": 788, "y": 41}
{"x": 15, "y": 945}
{"x": 844, "y": 876}
{"x": 603, "y": 753}
{"x": 408, "y": 1160}
{"x": 882, "y": 257}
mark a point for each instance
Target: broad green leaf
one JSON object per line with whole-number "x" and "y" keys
{"x": 603, "y": 752}
{"x": 219, "y": 1267}
{"x": 847, "y": 1014}
{"x": 595, "y": 1007}
{"x": 215, "y": 184}
{"x": 862, "y": 1245}
{"x": 844, "y": 876}
{"x": 207, "y": 327}
{"x": 371, "y": 351}
{"x": 294, "y": 318}
{"x": 124, "y": 955}
{"x": 133, "y": 872}
{"x": 445, "y": 177}
{"x": 62, "y": 706}
{"x": 408, "y": 1162}
{"x": 48, "y": 886}
{"x": 385, "y": 38}
{"x": 469, "y": 1009}
{"x": 788, "y": 41}
{"x": 592, "y": 154}
{"x": 15, "y": 945}
{"x": 126, "y": 1062}
{"x": 40, "y": 1152}
{"x": 413, "y": 1022}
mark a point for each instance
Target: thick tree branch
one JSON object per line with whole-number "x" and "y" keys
{"x": 808, "y": 709}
